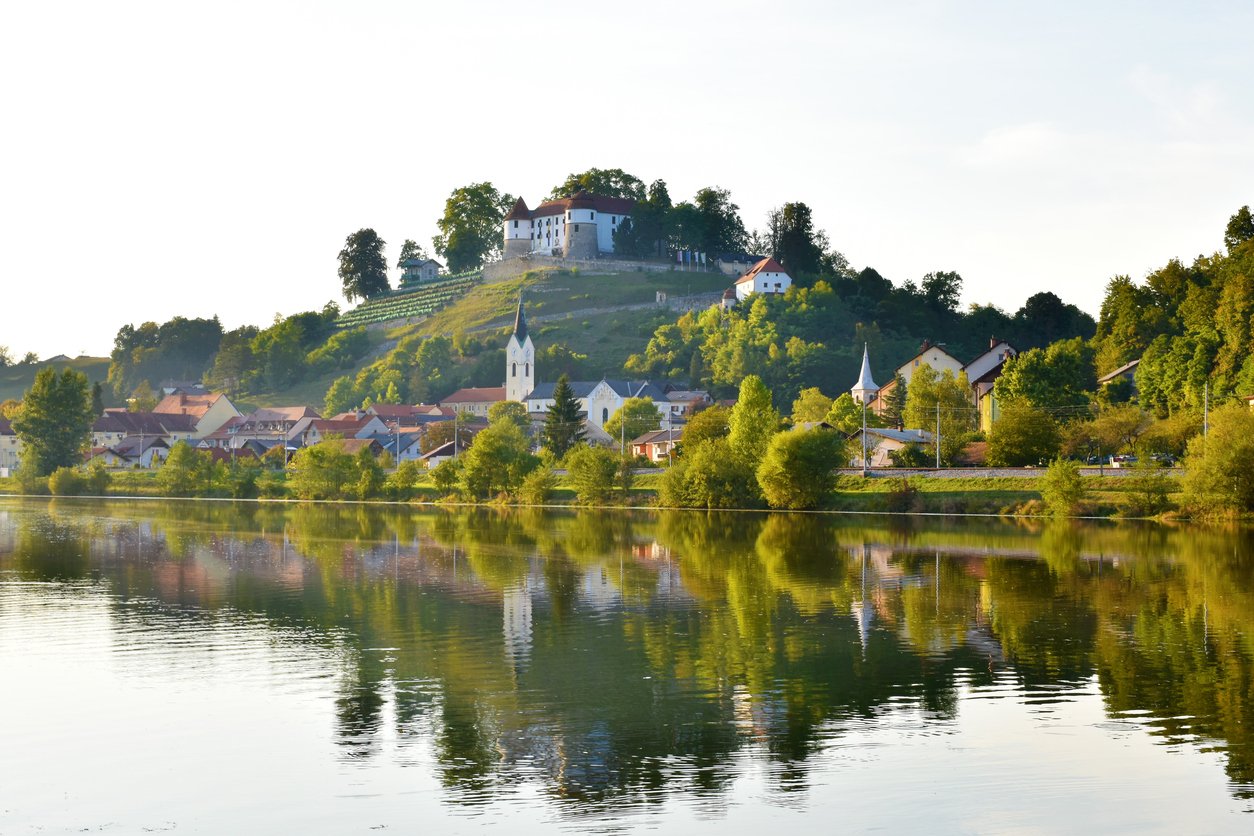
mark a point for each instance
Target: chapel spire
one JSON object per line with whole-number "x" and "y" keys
{"x": 520, "y": 321}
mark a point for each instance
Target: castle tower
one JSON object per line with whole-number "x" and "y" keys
{"x": 518, "y": 229}
{"x": 520, "y": 359}
{"x": 865, "y": 389}
{"x": 581, "y": 227}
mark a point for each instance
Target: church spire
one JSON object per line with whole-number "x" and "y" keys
{"x": 520, "y": 322}
{"x": 865, "y": 388}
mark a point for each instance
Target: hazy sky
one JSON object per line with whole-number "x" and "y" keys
{"x": 167, "y": 158}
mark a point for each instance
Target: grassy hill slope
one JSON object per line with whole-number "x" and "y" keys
{"x": 15, "y": 380}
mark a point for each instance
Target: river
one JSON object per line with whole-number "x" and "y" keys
{"x": 216, "y": 667}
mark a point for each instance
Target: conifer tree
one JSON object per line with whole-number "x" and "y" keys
{"x": 563, "y": 428}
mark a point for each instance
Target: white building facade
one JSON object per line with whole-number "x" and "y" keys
{"x": 580, "y": 226}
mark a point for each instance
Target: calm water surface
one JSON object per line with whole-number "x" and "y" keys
{"x": 215, "y": 668}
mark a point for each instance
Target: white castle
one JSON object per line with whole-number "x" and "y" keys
{"x": 579, "y": 226}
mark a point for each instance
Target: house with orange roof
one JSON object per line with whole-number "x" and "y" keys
{"x": 209, "y": 410}
{"x": 767, "y": 276}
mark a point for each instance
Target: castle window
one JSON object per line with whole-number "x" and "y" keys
{"x": 613, "y": 219}
{"x": 576, "y": 227}
{"x": 515, "y": 224}
{"x": 592, "y": 216}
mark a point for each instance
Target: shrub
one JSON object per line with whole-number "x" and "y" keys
{"x": 538, "y": 486}
{"x": 798, "y": 470}
{"x": 903, "y": 498}
{"x": 709, "y": 476}
{"x": 1062, "y": 487}
{"x": 67, "y": 481}
{"x": 1023, "y": 435}
{"x": 446, "y": 475}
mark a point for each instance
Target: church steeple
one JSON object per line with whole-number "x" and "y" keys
{"x": 865, "y": 388}
{"x": 520, "y": 359}
{"x": 520, "y": 322}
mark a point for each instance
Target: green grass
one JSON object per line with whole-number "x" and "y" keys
{"x": 15, "y": 380}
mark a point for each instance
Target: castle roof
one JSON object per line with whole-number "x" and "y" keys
{"x": 520, "y": 323}
{"x": 605, "y": 205}
{"x": 519, "y": 212}
{"x": 766, "y": 265}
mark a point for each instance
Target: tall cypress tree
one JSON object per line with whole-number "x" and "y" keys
{"x": 563, "y": 428}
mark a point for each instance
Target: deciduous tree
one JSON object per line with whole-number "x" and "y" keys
{"x": 55, "y": 421}
{"x": 470, "y": 230}
{"x": 798, "y": 471}
{"x": 363, "y": 269}
{"x": 634, "y": 418}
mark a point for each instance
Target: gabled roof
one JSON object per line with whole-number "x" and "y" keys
{"x": 1122, "y": 370}
{"x": 578, "y": 388}
{"x": 446, "y": 449}
{"x": 656, "y": 435}
{"x": 607, "y": 205}
{"x": 6, "y": 428}
{"x": 195, "y": 405}
{"x": 904, "y": 436}
{"x": 146, "y": 423}
{"x": 766, "y": 265}
{"x": 476, "y": 394}
{"x": 273, "y": 414}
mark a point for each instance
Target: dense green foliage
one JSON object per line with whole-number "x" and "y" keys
{"x": 54, "y": 423}
{"x": 798, "y": 470}
{"x": 592, "y": 471}
{"x": 934, "y": 399}
{"x": 1062, "y": 487}
{"x": 1220, "y": 466}
{"x": 363, "y": 270}
{"x": 634, "y": 418}
{"x": 470, "y": 229}
{"x": 498, "y": 460}
{"x": 563, "y": 426}
{"x": 180, "y": 349}
{"x": 1024, "y": 435}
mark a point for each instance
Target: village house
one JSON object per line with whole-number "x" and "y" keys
{"x": 656, "y": 446}
{"x": 401, "y": 446}
{"x": 882, "y": 442}
{"x": 417, "y": 270}
{"x": 767, "y": 276}
{"x": 117, "y": 425}
{"x": 10, "y": 448}
{"x": 132, "y": 452}
{"x": 309, "y": 431}
{"x": 444, "y": 452}
{"x": 474, "y": 400}
{"x": 208, "y": 410}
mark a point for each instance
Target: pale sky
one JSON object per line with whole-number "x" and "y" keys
{"x": 167, "y": 158}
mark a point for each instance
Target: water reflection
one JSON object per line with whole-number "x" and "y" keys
{"x": 624, "y": 658}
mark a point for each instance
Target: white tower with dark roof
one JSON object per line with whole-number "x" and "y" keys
{"x": 865, "y": 389}
{"x": 520, "y": 359}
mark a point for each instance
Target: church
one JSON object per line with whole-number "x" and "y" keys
{"x": 579, "y": 226}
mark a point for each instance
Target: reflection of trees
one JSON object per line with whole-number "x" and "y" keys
{"x": 781, "y": 630}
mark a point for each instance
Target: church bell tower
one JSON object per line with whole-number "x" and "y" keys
{"x": 520, "y": 359}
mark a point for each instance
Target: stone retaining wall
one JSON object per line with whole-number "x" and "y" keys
{"x": 512, "y": 268}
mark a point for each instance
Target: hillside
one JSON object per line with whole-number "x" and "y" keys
{"x": 15, "y": 380}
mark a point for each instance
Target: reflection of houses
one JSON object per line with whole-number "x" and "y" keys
{"x": 881, "y": 443}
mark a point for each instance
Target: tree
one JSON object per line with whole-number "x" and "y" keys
{"x": 498, "y": 460}
{"x": 363, "y": 269}
{"x": 341, "y": 396}
{"x": 634, "y": 418}
{"x": 470, "y": 230}
{"x": 709, "y": 424}
{"x": 185, "y": 472}
{"x": 510, "y": 411}
{"x": 1057, "y": 377}
{"x": 895, "y": 402}
{"x": 97, "y": 399}
{"x": 941, "y": 290}
{"x": 647, "y": 232}
{"x": 931, "y": 394}
{"x": 709, "y": 475}
{"x": 811, "y": 405}
{"x": 1239, "y": 230}
{"x": 794, "y": 241}
{"x": 30, "y": 358}
{"x": 55, "y": 422}
{"x": 603, "y": 182}
{"x": 6, "y": 357}
{"x": 715, "y": 225}
{"x": 592, "y": 471}
{"x": 847, "y": 416}
{"x": 798, "y": 471}
{"x": 1219, "y": 467}
{"x": 323, "y": 471}
{"x": 752, "y": 423}
{"x": 1023, "y": 435}
{"x": 563, "y": 428}
{"x": 410, "y": 249}
{"x": 142, "y": 399}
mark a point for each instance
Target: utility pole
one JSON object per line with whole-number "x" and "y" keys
{"x": 1205, "y": 408}
{"x": 864, "y": 462}
{"x": 938, "y": 438}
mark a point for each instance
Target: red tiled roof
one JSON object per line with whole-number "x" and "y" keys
{"x": 610, "y": 205}
{"x": 482, "y": 394}
{"x": 193, "y": 405}
{"x": 520, "y": 211}
{"x": 766, "y": 265}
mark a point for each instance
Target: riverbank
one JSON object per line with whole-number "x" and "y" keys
{"x": 1112, "y": 494}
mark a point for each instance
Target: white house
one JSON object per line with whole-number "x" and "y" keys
{"x": 600, "y": 399}
{"x": 999, "y": 351}
{"x": 767, "y": 276}
{"x": 10, "y": 447}
{"x": 416, "y": 270}
{"x": 580, "y": 226}
{"x": 880, "y": 442}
